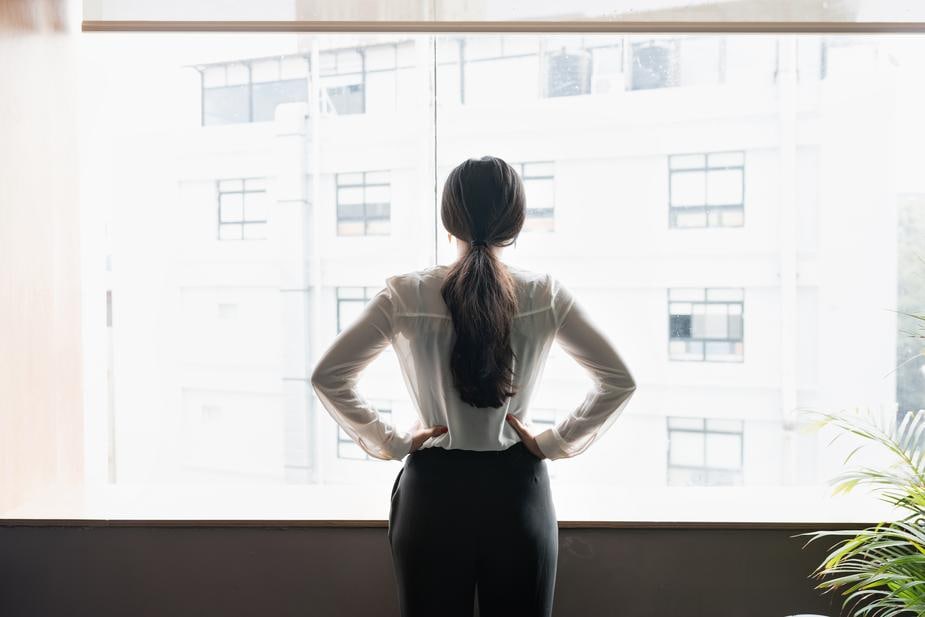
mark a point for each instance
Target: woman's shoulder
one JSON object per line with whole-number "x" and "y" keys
{"x": 533, "y": 277}
{"x": 535, "y": 287}
{"x": 430, "y": 273}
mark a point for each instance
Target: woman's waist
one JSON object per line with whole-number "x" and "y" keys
{"x": 447, "y": 456}
{"x": 447, "y": 448}
{"x": 455, "y": 469}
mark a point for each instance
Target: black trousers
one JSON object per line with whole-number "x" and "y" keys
{"x": 462, "y": 519}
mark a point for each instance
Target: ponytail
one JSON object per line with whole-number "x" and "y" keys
{"x": 483, "y": 199}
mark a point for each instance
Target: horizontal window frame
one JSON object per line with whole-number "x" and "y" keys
{"x": 380, "y": 523}
{"x": 510, "y": 26}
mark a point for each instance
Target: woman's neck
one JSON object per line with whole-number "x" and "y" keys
{"x": 462, "y": 247}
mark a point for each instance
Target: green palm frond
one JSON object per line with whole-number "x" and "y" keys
{"x": 880, "y": 570}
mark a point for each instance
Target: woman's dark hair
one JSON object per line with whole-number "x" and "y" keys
{"x": 484, "y": 204}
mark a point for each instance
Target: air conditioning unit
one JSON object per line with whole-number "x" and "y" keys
{"x": 568, "y": 73}
{"x": 655, "y": 65}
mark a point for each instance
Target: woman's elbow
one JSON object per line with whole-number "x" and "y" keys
{"x": 614, "y": 374}
{"x": 320, "y": 378}
{"x": 618, "y": 380}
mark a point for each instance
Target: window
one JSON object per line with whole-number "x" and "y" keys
{"x": 349, "y": 449}
{"x": 350, "y": 302}
{"x": 484, "y": 69}
{"x": 706, "y": 190}
{"x": 276, "y": 81}
{"x": 242, "y": 209}
{"x": 354, "y": 81}
{"x": 705, "y": 451}
{"x": 705, "y": 324}
{"x": 250, "y": 90}
{"x": 363, "y": 207}
{"x": 596, "y": 167}
{"x": 343, "y": 78}
{"x": 472, "y": 67}
{"x": 539, "y": 186}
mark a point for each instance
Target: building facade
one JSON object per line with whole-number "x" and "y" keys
{"x": 704, "y": 197}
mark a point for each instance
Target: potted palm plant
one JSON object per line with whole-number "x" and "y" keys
{"x": 880, "y": 570}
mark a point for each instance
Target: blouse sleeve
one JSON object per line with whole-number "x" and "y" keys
{"x": 613, "y": 382}
{"x": 337, "y": 373}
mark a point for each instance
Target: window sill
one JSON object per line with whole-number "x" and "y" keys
{"x": 577, "y": 506}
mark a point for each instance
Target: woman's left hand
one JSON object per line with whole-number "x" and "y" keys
{"x": 525, "y": 435}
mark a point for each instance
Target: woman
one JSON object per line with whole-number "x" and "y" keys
{"x": 471, "y": 506}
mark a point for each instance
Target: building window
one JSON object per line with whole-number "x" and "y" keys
{"x": 250, "y": 90}
{"x": 706, "y": 190}
{"x": 706, "y": 324}
{"x": 705, "y": 452}
{"x": 277, "y": 81}
{"x": 349, "y": 449}
{"x": 242, "y": 209}
{"x": 485, "y": 69}
{"x": 539, "y": 186}
{"x": 350, "y": 302}
{"x": 482, "y": 69}
{"x": 343, "y": 81}
{"x": 369, "y": 79}
{"x": 363, "y": 203}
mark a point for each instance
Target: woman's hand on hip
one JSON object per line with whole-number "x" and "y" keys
{"x": 422, "y": 435}
{"x": 526, "y": 436}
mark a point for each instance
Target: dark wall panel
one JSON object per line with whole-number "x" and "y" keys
{"x": 99, "y": 571}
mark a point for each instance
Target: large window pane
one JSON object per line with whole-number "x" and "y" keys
{"x": 699, "y": 175}
{"x": 702, "y": 196}
{"x": 221, "y": 310}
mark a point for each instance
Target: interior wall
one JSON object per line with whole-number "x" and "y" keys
{"x": 40, "y": 370}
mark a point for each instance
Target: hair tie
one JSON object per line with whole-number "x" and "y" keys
{"x": 478, "y": 243}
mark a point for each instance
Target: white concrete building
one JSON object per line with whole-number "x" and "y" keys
{"x": 715, "y": 202}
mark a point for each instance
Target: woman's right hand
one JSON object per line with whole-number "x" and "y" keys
{"x": 422, "y": 435}
{"x": 526, "y": 436}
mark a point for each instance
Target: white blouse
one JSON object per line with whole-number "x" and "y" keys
{"x": 410, "y": 314}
